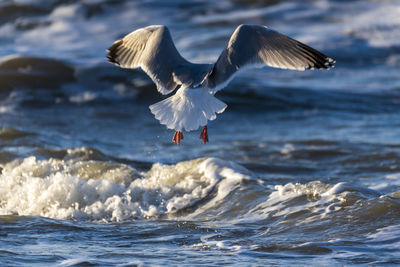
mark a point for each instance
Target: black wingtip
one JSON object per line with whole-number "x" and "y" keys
{"x": 318, "y": 60}
{"x": 112, "y": 52}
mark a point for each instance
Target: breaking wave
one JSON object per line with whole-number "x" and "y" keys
{"x": 83, "y": 188}
{"x": 97, "y": 190}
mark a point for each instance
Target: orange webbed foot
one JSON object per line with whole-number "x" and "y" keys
{"x": 178, "y": 136}
{"x": 204, "y": 135}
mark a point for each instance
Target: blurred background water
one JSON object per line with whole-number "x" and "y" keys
{"x": 302, "y": 167}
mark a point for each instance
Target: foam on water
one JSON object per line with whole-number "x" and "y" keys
{"x": 77, "y": 187}
{"x": 389, "y": 234}
{"x": 83, "y": 97}
{"x": 289, "y": 199}
{"x": 96, "y": 190}
{"x": 303, "y": 203}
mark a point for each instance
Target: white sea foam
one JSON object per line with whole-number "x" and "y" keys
{"x": 208, "y": 243}
{"x": 243, "y": 14}
{"x": 388, "y": 235}
{"x": 310, "y": 201}
{"x": 83, "y": 97}
{"x": 67, "y": 11}
{"x": 379, "y": 25}
{"x": 96, "y": 190}
{"x": 287, "y": 149}
{"x": 390, "y": 182}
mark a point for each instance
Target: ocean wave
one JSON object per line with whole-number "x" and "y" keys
{"x": 106, "y": 191}
{"x": 80, "y": 185}
{"x": 10, "y": 134}
{"x": 33, "y": 72}
{"x": 296, "y": 203}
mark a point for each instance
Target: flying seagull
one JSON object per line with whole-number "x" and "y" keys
{"x": 194, "y": 104}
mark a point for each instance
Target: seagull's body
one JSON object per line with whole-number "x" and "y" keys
{"x": 194, "y": 104}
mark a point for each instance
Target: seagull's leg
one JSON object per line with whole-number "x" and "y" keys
{"x": 178, "y": 136}
{"x": 204, "y": 135}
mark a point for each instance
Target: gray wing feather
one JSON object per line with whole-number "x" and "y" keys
{"x": 151, "y": 49}
{"x": 258, "y": 45}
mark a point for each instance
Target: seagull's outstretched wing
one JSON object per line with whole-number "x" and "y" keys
{"x": 258, "y": 45}
{"x": 153, "y": 50}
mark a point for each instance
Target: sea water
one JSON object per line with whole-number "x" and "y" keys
{"x": 303, "y": 168}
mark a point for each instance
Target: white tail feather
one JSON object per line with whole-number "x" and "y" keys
{"x": 188, "y": 109}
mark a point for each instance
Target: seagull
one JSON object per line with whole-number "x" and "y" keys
{"x": 194, "y": 104}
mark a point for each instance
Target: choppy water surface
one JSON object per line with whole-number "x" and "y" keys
{"x": 302, "y": 168}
